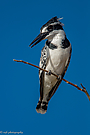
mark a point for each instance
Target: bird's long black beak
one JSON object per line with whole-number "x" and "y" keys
{"x": 40, "y": 37}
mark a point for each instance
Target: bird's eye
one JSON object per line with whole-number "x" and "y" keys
{"x": 50, "y": 28}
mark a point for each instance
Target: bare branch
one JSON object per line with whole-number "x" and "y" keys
{"x": 81, "y": 89}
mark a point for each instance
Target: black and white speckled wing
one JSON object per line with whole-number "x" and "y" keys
{"x": 43, "y": 63}
{"x": 42, "y": 106}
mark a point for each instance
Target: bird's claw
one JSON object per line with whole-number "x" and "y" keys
{"x": 59, "y": 77}
{"x": 48, "y": 73}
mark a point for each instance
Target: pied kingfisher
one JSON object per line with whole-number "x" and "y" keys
{"x": 55, "y": 57}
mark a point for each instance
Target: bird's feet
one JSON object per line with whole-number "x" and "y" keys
{"x": 59, "y": 77}
{"x": 48, "y": 73}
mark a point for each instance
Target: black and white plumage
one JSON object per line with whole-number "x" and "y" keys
{"x": 55, "y": 57}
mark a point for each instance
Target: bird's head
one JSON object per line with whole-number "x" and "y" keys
{"x": 48, "y": 30}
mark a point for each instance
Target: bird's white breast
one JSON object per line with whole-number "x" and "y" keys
{"x": 58, "y": 57}
{"x": 57, "y": 61}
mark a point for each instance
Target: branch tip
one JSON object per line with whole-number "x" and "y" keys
{"x": 83, "y": 87}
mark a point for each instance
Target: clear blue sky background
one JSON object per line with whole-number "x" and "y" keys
{"x": 69, "y": 109}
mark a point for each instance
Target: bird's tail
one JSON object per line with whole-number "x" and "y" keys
{"x": 42, "y": 107}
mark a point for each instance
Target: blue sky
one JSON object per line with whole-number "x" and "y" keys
{"x": 69, "y": 109}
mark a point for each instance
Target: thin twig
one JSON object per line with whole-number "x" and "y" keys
{"x": 81, "y": 89}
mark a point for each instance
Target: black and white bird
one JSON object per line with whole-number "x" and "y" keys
{"x": 55, "y": 57}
